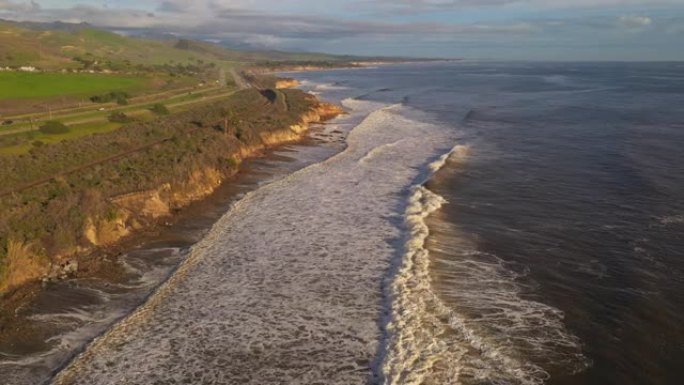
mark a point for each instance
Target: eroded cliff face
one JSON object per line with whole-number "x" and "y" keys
{"x": 287, "y": 83}
{"x": 104, "y": 232}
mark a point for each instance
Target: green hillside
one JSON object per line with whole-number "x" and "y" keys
{"x": 81, "y": 45}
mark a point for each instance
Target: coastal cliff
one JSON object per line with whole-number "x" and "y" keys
{"x": 136, "y": 208}
{"x": 101, "y": 205}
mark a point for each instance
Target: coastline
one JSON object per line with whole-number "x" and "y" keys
{"x": 354, "y": 65}
{"x": 188, "y": 263}
{"x": 101, "y": 262}
{"x": 336, "y": 301}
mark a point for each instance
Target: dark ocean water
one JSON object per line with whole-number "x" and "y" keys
{"x": 560, "y": 253}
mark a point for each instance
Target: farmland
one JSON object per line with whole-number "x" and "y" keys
{"x": 26, "y": 85}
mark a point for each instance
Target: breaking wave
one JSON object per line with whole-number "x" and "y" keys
{"x": 474, "y": 326}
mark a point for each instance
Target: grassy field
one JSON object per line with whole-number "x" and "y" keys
{"x": 24, "y": 85}
{"x": 75, "y": 132}
{"x": 91, "y": 122}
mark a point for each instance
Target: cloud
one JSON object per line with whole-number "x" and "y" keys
{"x": 216, "y": 19}
{"x": 634, "y": 21}
{"x": 460, "y": 4}
{"x": 11, "y": 6}
{"x": 312, "y": 24}
{"x": 174, "y": 6}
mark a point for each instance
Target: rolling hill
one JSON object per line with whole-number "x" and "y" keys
{"x": 56, "y": 46}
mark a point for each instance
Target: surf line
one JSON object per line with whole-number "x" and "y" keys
{"x": 411, "y": 321}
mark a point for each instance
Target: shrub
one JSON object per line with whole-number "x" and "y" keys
{"x": 111, "y": 214}
{"x": 54, "y": 127}
{"x": 117, "y": 96}
{"x": 232, "y": 162}
{"x": 119, "y": 117}
{"x": 160, "y": 109}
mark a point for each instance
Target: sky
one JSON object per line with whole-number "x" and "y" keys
{"x": 624, "y": 30}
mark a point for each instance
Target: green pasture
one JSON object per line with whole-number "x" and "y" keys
{"x": 75, "y": 131}
{"x": 27, "y": 85}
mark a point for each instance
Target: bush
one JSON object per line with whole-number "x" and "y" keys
{"x": 119, "y": 97}
{"x": 119, "y": 117}
{"x": 160, "y": 109}
{"x": 54, "y": 127}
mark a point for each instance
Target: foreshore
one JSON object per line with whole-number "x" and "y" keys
{"x": 162, "y": 207}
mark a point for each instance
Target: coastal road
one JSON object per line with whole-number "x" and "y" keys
{"x": 240, "y": 81}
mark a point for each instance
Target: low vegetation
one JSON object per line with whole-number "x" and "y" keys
{"x": 55, "y": 193}
{"x": 54, "y": 128}
{"x": 119, "y": 117}
{"x": 120, "y": 97}
{"x": 159, "y": 109}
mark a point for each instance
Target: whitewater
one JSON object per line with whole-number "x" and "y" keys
{"x": 287, "y": 287}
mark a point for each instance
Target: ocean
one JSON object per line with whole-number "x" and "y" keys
{"x": 556, "y": 252}
{"x": 485, "y": 223}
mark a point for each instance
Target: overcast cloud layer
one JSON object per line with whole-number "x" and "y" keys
{"x": 497, "y": 29}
